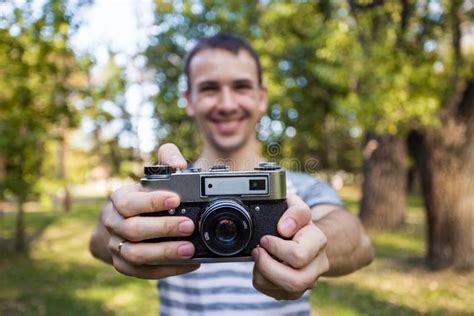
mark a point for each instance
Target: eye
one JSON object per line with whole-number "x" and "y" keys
{"x": 208, "y": 88}
{"x": 243, "y": 86}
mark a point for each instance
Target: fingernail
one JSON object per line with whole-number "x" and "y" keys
{"x": 255, "y": 254}
{"x": 264, "y": 242}
{"x": 186, "y": 250}
{"x": 171, "y": 202}
{"x": 288, "y": 227}
{"x": 186, "y": 227}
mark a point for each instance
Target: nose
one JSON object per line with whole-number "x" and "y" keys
{"x": 228, "y": 102}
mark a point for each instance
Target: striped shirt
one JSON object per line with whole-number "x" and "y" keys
{"x": 225, "y": 289}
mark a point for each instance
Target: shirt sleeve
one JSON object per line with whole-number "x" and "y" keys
{"x": 312, "y": 190}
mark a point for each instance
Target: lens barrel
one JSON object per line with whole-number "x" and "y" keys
{"x": 226, "y": 227}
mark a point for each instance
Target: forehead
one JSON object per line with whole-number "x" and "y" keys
{"x": 222, "y": 65}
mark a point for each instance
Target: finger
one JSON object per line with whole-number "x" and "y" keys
{"x": 169, "y": 154}
{"x": 301, "y": 250}
{"x": 281, "y": 294}
{"x": 137, "y": 228}
{"x": 151, "y": 272}
{"x": 289, "y": 279}
{"x": 151, "y": 253}
{"x": 261, "y": 283}
{"x": 271, "y": 289}
{"x": 295, "y": 217}
{"x": 130, "y": 203}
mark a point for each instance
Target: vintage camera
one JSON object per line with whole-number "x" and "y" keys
{"x": 231, "y": 210}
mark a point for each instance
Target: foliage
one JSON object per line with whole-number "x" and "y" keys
{"x": 383, "y": 66}
{"x": 406, "y": 61}
{"x": 103, "y": 106}
{"x": 303, "y": 48}
{"x": 37, "y": 83}
{"x": 178, "y": 25}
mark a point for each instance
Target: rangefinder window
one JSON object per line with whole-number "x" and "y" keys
{"x": 257, "y": 185}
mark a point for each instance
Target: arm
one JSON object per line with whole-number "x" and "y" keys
{"x": 348, "y": 248}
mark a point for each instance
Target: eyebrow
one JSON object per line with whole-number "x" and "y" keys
{"x": 243, "y": 81}
{"x": 207, "y": 83}
{"x": 212, "y": 83}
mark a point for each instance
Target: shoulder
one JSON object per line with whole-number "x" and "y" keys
{"x": 312, "y": 190}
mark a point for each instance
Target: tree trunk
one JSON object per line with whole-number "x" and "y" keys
{"x": 62, "y": 156}
{"x": 448, "y": 186}
{"x": 384, "y": 188}
{"x": 414, "y": 140}
{"x": 20, "y": 244}
{"x": 330, "y": 148}
{"x": 3, "y": 175}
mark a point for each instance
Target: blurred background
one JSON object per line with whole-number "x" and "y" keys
{"x": 376, "y": 97}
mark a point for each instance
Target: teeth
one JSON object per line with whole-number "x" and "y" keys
{"x": 229, "y": 123}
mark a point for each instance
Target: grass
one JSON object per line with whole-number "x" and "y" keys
{"x": 58, "y": 276}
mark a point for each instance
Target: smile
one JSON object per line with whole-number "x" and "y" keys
{"x": 228, "y": 126}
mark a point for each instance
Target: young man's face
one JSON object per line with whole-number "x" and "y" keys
{"x": 225, "y": 97}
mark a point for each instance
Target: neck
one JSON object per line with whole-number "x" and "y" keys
{"x": 243, "y": 158}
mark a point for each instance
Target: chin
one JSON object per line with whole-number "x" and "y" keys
{"x": 228, "y": 145}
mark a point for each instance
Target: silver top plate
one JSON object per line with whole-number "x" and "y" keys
{"x": 203, "y": 186}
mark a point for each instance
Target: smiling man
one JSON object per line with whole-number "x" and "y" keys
{"x": 227, "y": 98}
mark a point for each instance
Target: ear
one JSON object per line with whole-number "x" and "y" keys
{"x": 189, "y": 105}
{"x": 263, "y": 100}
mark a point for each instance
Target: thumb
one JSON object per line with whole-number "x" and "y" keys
{"x": 169, "y": 154}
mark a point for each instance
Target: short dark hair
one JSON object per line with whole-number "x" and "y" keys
{"x": 226, "y": 41}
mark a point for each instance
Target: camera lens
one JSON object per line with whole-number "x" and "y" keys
{"x": 226, "y": 227}
{"x": 226, "y": 230}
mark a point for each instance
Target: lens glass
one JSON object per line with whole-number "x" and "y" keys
{"x": 225, "y": 227}
{"x": 226, "y": 230}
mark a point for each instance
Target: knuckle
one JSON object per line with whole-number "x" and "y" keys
{"x": 122, "y": 270}
{"x": 169, "y": 253}
{"x": 257, "y": 282}
{"x": 156, "y": 202}
{"x": 111, "y": 246}
{"x": 130, "y": 229}
{"x": 133, "y": 256}
{"x": 294, "y": 296}
{"x": 168, "y": 228}
{"x": 306, "y": 213}
{"x": 109, "y": 223}
{"x": 326, "y": 265}
{"x": 296, "y": 285}
{"x": 321, "y": 237}
{"x": 122, "y": 205}
{"x": 300, "y": 257}
{"x": 324, "y": 241}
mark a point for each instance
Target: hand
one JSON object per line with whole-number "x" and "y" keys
{"x": 303, "y": 258}
{"x": 128, "y": 230}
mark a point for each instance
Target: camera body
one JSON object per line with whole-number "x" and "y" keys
{"x": 231, "y": 210}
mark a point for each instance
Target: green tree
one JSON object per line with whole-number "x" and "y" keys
{"x": 413, "y": 73}
{"x": 386, "y": 67}
{"x": 302, "y": 46}
{"x": 37, "y": 84}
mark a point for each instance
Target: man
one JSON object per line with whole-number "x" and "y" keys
{"x": 226, "y": 97}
